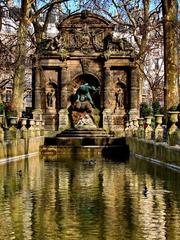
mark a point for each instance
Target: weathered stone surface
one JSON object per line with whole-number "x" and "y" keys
{"x": 15, "y": 148}
{"x": 85, "y": 52}
{"x": 157, "y": 152}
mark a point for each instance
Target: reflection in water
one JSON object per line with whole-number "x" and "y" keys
{"x": 73, "y": 199}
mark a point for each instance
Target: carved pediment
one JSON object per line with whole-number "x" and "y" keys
{"x": 87, "y": 33}
{"x": 85, "y": 18}
{"x": 83, "y": 32}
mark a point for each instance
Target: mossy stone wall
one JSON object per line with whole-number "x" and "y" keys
{"x": 18, "y": 147}
{"x": 155, "y": 151}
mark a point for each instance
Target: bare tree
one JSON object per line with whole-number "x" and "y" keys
{"x": 155, "y": 80}
{"x": 8, "y": 42}
{"x": 29, "y": 12}
{"x": 140, "y": 20}
{"x": 143, "y": 19}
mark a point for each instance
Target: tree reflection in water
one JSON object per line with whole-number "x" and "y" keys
{"x": 71, "y": 199}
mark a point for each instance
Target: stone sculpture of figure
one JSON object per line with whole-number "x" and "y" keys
{"x": 56, "y": 43}
{"x": 82, "y": 107}
{"x": 85, "y": 37}
{"x": 119, "y": 94}
{"x": 83, "y": 93}
{"x": 50, "y": 45}
{"x": 85, "y": 120}
{"x": 51, "y": 98}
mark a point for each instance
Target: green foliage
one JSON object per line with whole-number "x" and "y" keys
{"x": 153, "y": 123}
{"x": 2, "y": 108}
{"x": 96, "y": 116}
{"x": 41, "y": 43}
{"x": 173, "y": 108}
{"x": 178, "y": 107}
{"x": 10, "y": 111}
{"x": 156, "y": 107}
{"x": 145, "y": 110}
{"x": 63, "y": 54}
{"x": 107, "y": 54}
{"x": 163, "y": 110}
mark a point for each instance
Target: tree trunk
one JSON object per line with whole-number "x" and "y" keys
{"x": 19, "y": 74}
{"x": 171, "y": 93}
{"x": 21, "y": 53}
{"x": 143, "y": 46}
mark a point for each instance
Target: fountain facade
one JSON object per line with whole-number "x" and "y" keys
{"x": 84, "y": 77}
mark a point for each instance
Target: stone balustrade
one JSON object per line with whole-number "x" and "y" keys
{"x": 20, "y": 139}
{"x": 144, "y": 129}
{"x": 26, "y": 128}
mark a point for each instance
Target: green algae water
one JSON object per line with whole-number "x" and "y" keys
{"x": 75, "y": 199}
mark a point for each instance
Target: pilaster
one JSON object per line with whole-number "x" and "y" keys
{"x": 63, "y": 84}
{"x": 37, "y": 90}
{"x": 63, "y": 112}
{"x": 107, "y": 112}
{"x": 134, "y": 95}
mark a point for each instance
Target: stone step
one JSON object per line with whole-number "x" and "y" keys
{"x": 76, "y": 130}
{"x": 83, "y": 133}
{"x": 82, "y": 141}
{"x": 77, "y": 141}
{"x": 85, "y": 141}
{"x": 79, "y": 135}
{"x": 84, "y": 137}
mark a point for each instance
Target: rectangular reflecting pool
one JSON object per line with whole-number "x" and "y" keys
{"x": 89, "y": 199}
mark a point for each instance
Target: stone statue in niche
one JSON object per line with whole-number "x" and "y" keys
{"x": 119, "y": 97}
{"x": 51, "y": 98}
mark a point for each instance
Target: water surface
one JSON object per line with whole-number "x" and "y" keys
{"x": 75, "y": 199}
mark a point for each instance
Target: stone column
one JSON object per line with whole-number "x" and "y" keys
{"x": 37, "y": 112}
{"x": 37, "y": 90}
{"x": 107, "y": 88}
{"x": 63, "y": 95}
{"x": 63, "y": 112}
{"x": 134, "y": 95}
{"x": 107, "y": 112}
